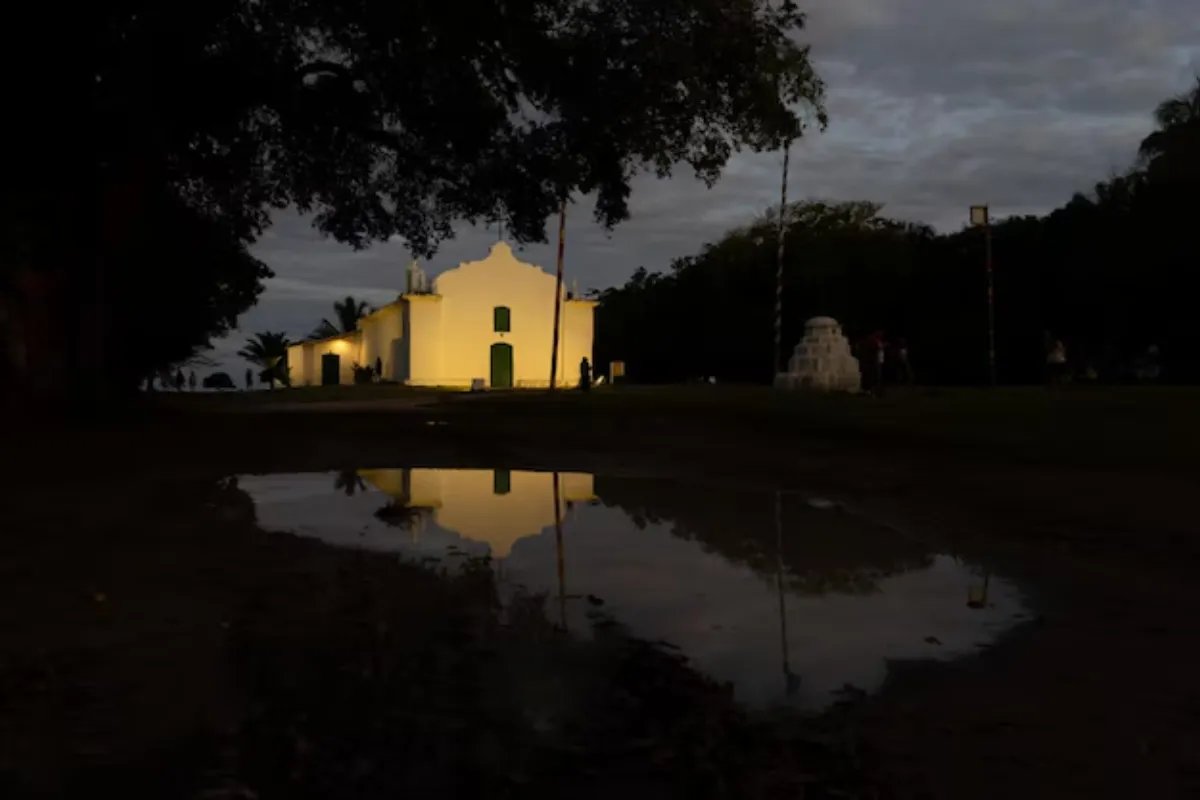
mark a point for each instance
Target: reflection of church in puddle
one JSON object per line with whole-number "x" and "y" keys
{"x": 492, "y": 507}
{"x": 745, "y": 591}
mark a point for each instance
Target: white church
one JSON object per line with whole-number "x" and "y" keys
{"x": 489, "y": 321}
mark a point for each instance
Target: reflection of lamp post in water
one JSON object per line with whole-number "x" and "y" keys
{"x": 977, "y": 594}
{"x": 558, "y": 542}
{"x": 791, "y": 681}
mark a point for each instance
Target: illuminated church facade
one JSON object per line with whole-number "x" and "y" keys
{"x": 488, "y": 322}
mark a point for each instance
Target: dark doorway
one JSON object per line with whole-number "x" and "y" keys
{"x": 331, "y": 369}
{"x": 502, "y": 366}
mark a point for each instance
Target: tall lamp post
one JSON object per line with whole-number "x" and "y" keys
{"x": 558, "y": 285}
{"x": 981, "y": 219}
{"x": 787, "y": 146}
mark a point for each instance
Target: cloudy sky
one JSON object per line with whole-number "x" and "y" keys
{"x": 934, "y": 105}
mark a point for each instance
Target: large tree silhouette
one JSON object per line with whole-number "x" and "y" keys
{"x": 1178, "y": 121}
{"x": 381, "y": 118}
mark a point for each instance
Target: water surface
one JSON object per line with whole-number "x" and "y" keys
{"x": 790, "y": 599}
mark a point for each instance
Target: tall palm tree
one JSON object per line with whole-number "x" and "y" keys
{"x": 347, "y": 312}
{"x": 268, "y": 350}
{"x": 1178, "y": 120}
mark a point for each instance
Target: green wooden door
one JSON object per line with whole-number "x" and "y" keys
{"x": 331, "y": 368}
{"x": 502, "y": 366}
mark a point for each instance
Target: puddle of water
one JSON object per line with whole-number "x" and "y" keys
{"x": 793, "y": 600}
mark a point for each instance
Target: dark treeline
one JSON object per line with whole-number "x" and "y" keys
{"x": 1111, "y": 273}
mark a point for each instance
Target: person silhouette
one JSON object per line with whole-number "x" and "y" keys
{"x": 585, "y": 374}
{"x": 249, "y": 379}
{"x": 903, "y": 364}
{"x": 191, "y": 380}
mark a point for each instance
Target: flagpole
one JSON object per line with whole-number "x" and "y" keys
{"x": 558, "y": 284}
{"x": 783, "y": 639}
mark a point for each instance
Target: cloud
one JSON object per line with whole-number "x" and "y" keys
{"x": 934, "y": 105}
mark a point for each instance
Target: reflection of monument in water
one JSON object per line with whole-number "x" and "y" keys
{"x": 493, "y": 507}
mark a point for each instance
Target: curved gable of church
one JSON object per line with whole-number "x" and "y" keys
{"x": 501, "y": 270}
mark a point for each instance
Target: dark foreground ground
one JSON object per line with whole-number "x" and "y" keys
{"x": 152, "y": 635}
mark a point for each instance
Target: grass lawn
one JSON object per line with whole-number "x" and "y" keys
{"x": 1111, "y": 427}
{"x": 234, "y": 400}
{"x": 1137, "y": 429}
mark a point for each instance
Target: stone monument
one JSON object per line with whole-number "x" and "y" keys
{"x": 822, "y": 360}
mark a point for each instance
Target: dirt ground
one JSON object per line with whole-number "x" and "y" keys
{"x": 1087, "y": 501}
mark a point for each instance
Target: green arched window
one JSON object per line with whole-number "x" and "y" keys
{"x": 501, "y": 319}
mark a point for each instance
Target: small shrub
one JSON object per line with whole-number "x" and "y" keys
{"x": 363, "y": 374}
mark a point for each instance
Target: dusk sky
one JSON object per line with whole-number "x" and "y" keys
{"x": 934, "y": 106}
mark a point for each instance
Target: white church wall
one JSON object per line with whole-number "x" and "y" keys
{"x": 379, "y": 330}
{"x": 577, "y": 332}
{"x": 304, "y": 359}
{"x": 297, "y": 358}
{"x": 471, "y": 292}
{"x": 425, "y": 340}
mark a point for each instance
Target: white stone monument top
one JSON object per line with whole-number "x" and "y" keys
{"x": 822, "y": 360}
{"x": 820, "y": 323}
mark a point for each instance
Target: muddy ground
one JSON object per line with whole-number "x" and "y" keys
{"x": 116, "y": 588}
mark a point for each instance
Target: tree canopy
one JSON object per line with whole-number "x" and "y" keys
{"x": 380, "y": 118}
{"x": 401, "y": 118}
{"x": 1112, "y": 272}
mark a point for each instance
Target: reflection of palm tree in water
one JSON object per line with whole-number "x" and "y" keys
{"x": 401, "y": 516}
{"x": 398, "y": 512}
{"x": 349, "y": 482}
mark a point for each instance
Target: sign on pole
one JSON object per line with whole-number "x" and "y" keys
{"x": 979, "y": 215}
